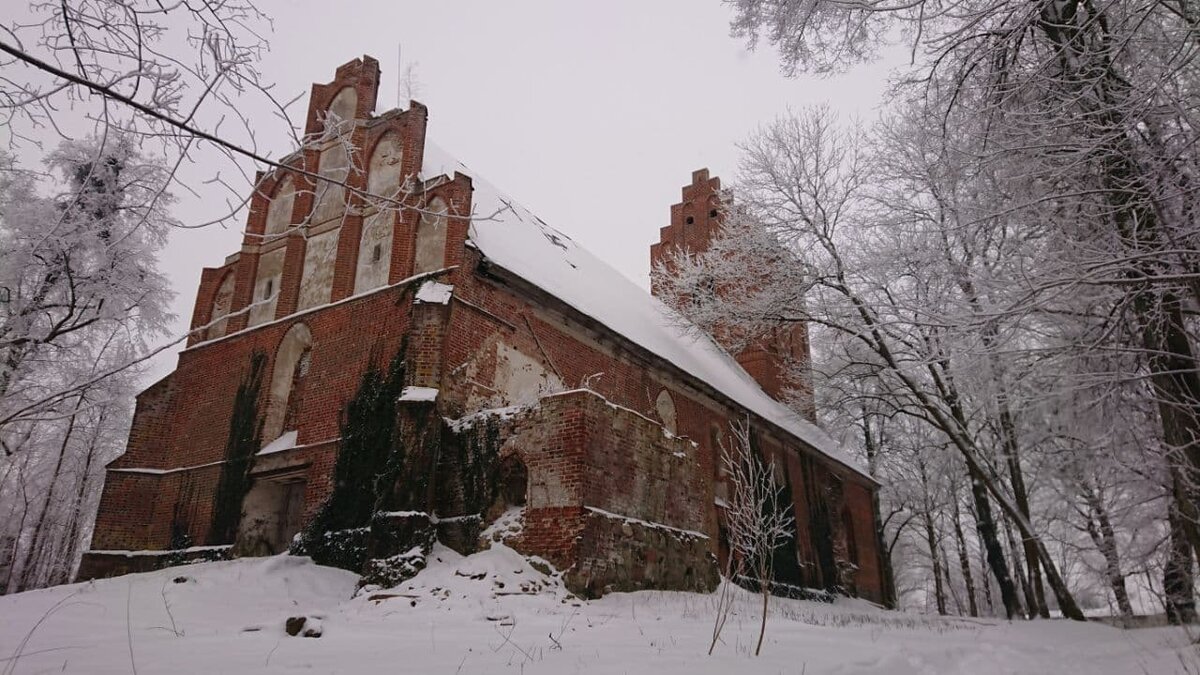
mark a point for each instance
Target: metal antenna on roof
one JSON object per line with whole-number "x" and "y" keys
{"x": 399, "y": 73}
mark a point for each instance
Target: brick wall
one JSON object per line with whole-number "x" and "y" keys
{"x": 617, "y": 554}
{"x": 581, "y": 452}
{"x": 182, "y": 423}
{"x": 126, "y": 514}
{"x": 551, "y": 441}
{"x": 611, "y": 497}
{"x": 487, "y": 308}
{"x": 868, "y": 580}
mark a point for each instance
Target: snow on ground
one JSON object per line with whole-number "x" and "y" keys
{"x": 494, "y": 612}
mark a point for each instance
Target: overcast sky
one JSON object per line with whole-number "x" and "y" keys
{"x": 592, "y": 115}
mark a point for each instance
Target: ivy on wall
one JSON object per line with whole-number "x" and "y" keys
{"x": 245, "y": 437}
{"x": 364, "y": 477}
{"x": 469, "y": 468}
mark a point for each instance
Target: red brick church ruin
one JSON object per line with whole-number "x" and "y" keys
{"x": 402, "y": 354}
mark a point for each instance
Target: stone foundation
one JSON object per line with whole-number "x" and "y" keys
{"x": 397, "y": 548}
{"x": 104, "y": 564}
{"x": 621, "y": 554}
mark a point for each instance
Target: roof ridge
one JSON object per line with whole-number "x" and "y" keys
{"x": 569, "y": 272}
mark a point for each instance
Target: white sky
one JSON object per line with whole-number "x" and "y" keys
{"x": 593, "y": 115}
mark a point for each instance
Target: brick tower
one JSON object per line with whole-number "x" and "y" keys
{"x": 695, "y": 221}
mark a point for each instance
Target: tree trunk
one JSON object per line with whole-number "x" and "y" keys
{"x": 958, "y": 606}
{"x": 1019, "y": 571}
{"x": 985, "y": 524}
{"x": 1131, "y": 191}
{"x": 11, "y": 569}
{"x": 724, "y": 602}
{"x": 1178, "y": 582}
{"x": 28, "y": 576}
{"x": 986, "y": 583}
{"x": 1176, "y": 385}
{"x": 964, "y": 560}
{"x": 1035, "y": 595}
{"x": 885, "y": 553}
{"x": 931, "y": 538}
{"x": 939, "y": 592}
{"x": 764, "y": 582}
{"x": 1100, "y": 529}
{"x": 77, "y": 517}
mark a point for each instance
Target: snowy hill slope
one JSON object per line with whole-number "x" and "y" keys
{"x": 494, "y": 612}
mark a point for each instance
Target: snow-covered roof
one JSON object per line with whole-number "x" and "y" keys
{"x": 512, "y": 237}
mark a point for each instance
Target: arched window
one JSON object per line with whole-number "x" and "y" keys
{"x": 316, "y": 279}
{"x": 279, "y": 214}
{"x": 266, "y": 286}
{"x": 334, "y": 163}
{"x": 374, "y": 252}
{"x": 344, "y": 105}
{"x": 384, "y": 171}
{"x": 514, "y": 481}
{"x": 431, "y": 237}
{"x": 375, "y": 244}
{"x": 222, "y": 302}
{"x": 331, "y": 194}
{"x": 665, "y": 405}
{"x": 292, "y": 360}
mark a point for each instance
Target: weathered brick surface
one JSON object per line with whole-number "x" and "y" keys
{"x": 99, "y": 565}
{"x": 182, "y": 423}
{"x": 604, "y": 448}
{"x": 868, "y": 580}
{"x": 617, "y": 554}
{"x": 125, "y": 518}
{"x": 612, "y": 498}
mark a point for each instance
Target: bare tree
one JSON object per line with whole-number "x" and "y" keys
{"x": 756, "y": 517}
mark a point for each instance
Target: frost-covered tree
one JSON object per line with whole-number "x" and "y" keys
{"x": 833, "y": 256}
{"x": 77, "y": 264}
{"x": 1091, "y": 108}
{"x": 170, "y": 80}
{"x": 80, "y": 224}
{"x": 947, "y": 321}
{"x": 81, "y": 299}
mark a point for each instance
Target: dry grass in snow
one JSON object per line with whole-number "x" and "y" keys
{"x": 495, "y": 612}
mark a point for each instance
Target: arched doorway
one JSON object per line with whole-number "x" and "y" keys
{"x": 514, "y": 482}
